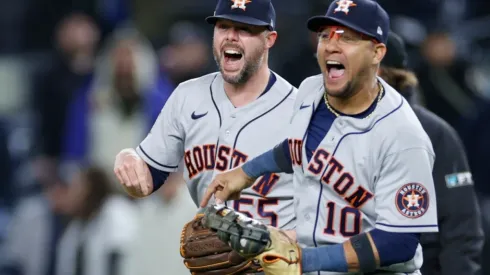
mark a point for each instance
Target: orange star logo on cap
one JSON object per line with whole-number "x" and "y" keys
{"x": 344, "y": 5}
{"x": 240, "y": 4}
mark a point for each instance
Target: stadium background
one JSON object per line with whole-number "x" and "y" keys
{"x": 54, "y": 51}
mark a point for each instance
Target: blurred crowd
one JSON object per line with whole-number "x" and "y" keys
{"x": 80, "y": 80}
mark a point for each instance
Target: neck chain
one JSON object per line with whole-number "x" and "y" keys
{"x": 380, "y": 95}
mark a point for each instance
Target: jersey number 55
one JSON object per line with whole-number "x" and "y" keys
{"x": 262, "y": 203}
{"x": 262, "y": 186}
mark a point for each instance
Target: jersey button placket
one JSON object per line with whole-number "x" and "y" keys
{"x": 307, "y": 217}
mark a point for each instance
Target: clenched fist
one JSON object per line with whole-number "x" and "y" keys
{"x": 133, "y": 173}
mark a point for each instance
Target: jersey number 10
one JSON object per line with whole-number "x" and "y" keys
{"x": 348, "y": 216}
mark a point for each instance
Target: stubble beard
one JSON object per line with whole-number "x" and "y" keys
{"x": 252, "y": 63}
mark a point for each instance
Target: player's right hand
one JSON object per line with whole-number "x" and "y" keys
{"x": 133, "y": 173}
{"x": 227, "y": 186}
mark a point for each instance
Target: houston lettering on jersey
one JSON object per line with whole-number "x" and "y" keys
{"x": 344, "y": 185}
{"x": 206, "y": 158}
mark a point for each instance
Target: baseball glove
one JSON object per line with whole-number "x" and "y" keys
{"x": 205, "y": 254}
{"x": 276, "y": 252}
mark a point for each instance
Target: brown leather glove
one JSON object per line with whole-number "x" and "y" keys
{"x": 205, "y": 254}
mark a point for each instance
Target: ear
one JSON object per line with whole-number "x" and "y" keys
{"x": 379, "y": 53}
{"x": 270, "y": 39}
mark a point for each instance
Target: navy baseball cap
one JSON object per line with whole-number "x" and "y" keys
{"x": 364, "y": 16}
{"x": 251, "y": 12}
{"x": 396, "y": 53}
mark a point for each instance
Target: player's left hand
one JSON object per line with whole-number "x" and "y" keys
{"x": 276, "y": 252}
{"x": 282, "y": 256}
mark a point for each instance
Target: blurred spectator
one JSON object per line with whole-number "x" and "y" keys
{"x": 41, "y": 16}
{"x": 443, "y": 79}
{"x": 6, "y": 185}
{"x": 161, "y": 219}
{"x": 112, "y": 14}
{"x": 188, "y": 53}
{"x": 33, "y": 231}
{"x": 117, "y": 107}
{"x": 70, "y": 64}
{"x": 12, "y": 14}
{"x": 98, "y": 238}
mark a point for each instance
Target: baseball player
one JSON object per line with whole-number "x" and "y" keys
{"x": 457, "y": 248}
{"x": 362, "y": 164}
{"x": 219, "y": 121}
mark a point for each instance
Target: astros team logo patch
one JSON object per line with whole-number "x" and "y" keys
{"x": 412, "y": 200}
{"x": 344, "y": 5}
{"x": 240, "y": 4}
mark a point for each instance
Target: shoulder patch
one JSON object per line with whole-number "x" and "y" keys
{"x": 459, "y": 179}
{"x": 412, "y": 200}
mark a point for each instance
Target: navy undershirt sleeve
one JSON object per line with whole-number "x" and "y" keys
{"x": 159, "y": 177}
{"x": 394, "y": 247}
{"x": 276, "y": 160}
{"x": 282, "y": 155}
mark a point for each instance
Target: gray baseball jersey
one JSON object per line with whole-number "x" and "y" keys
{"x": 200, "y": 126}
{"x": 366, "y": 173}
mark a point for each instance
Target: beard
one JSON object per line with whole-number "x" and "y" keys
{"x": 252, "y": 63}
{"x": 346, "y": 92}
{"x": 351, "y": 87}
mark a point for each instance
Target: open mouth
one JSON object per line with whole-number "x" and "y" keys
{"x": 232, "y": 55}
{"x": 335, "y": 69}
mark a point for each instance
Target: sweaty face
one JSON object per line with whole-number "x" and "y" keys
{"x": 344, "y": 57}
{"x": 238, "y": 50}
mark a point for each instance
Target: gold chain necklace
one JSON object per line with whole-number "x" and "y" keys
{"x": 380, "y": 94}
